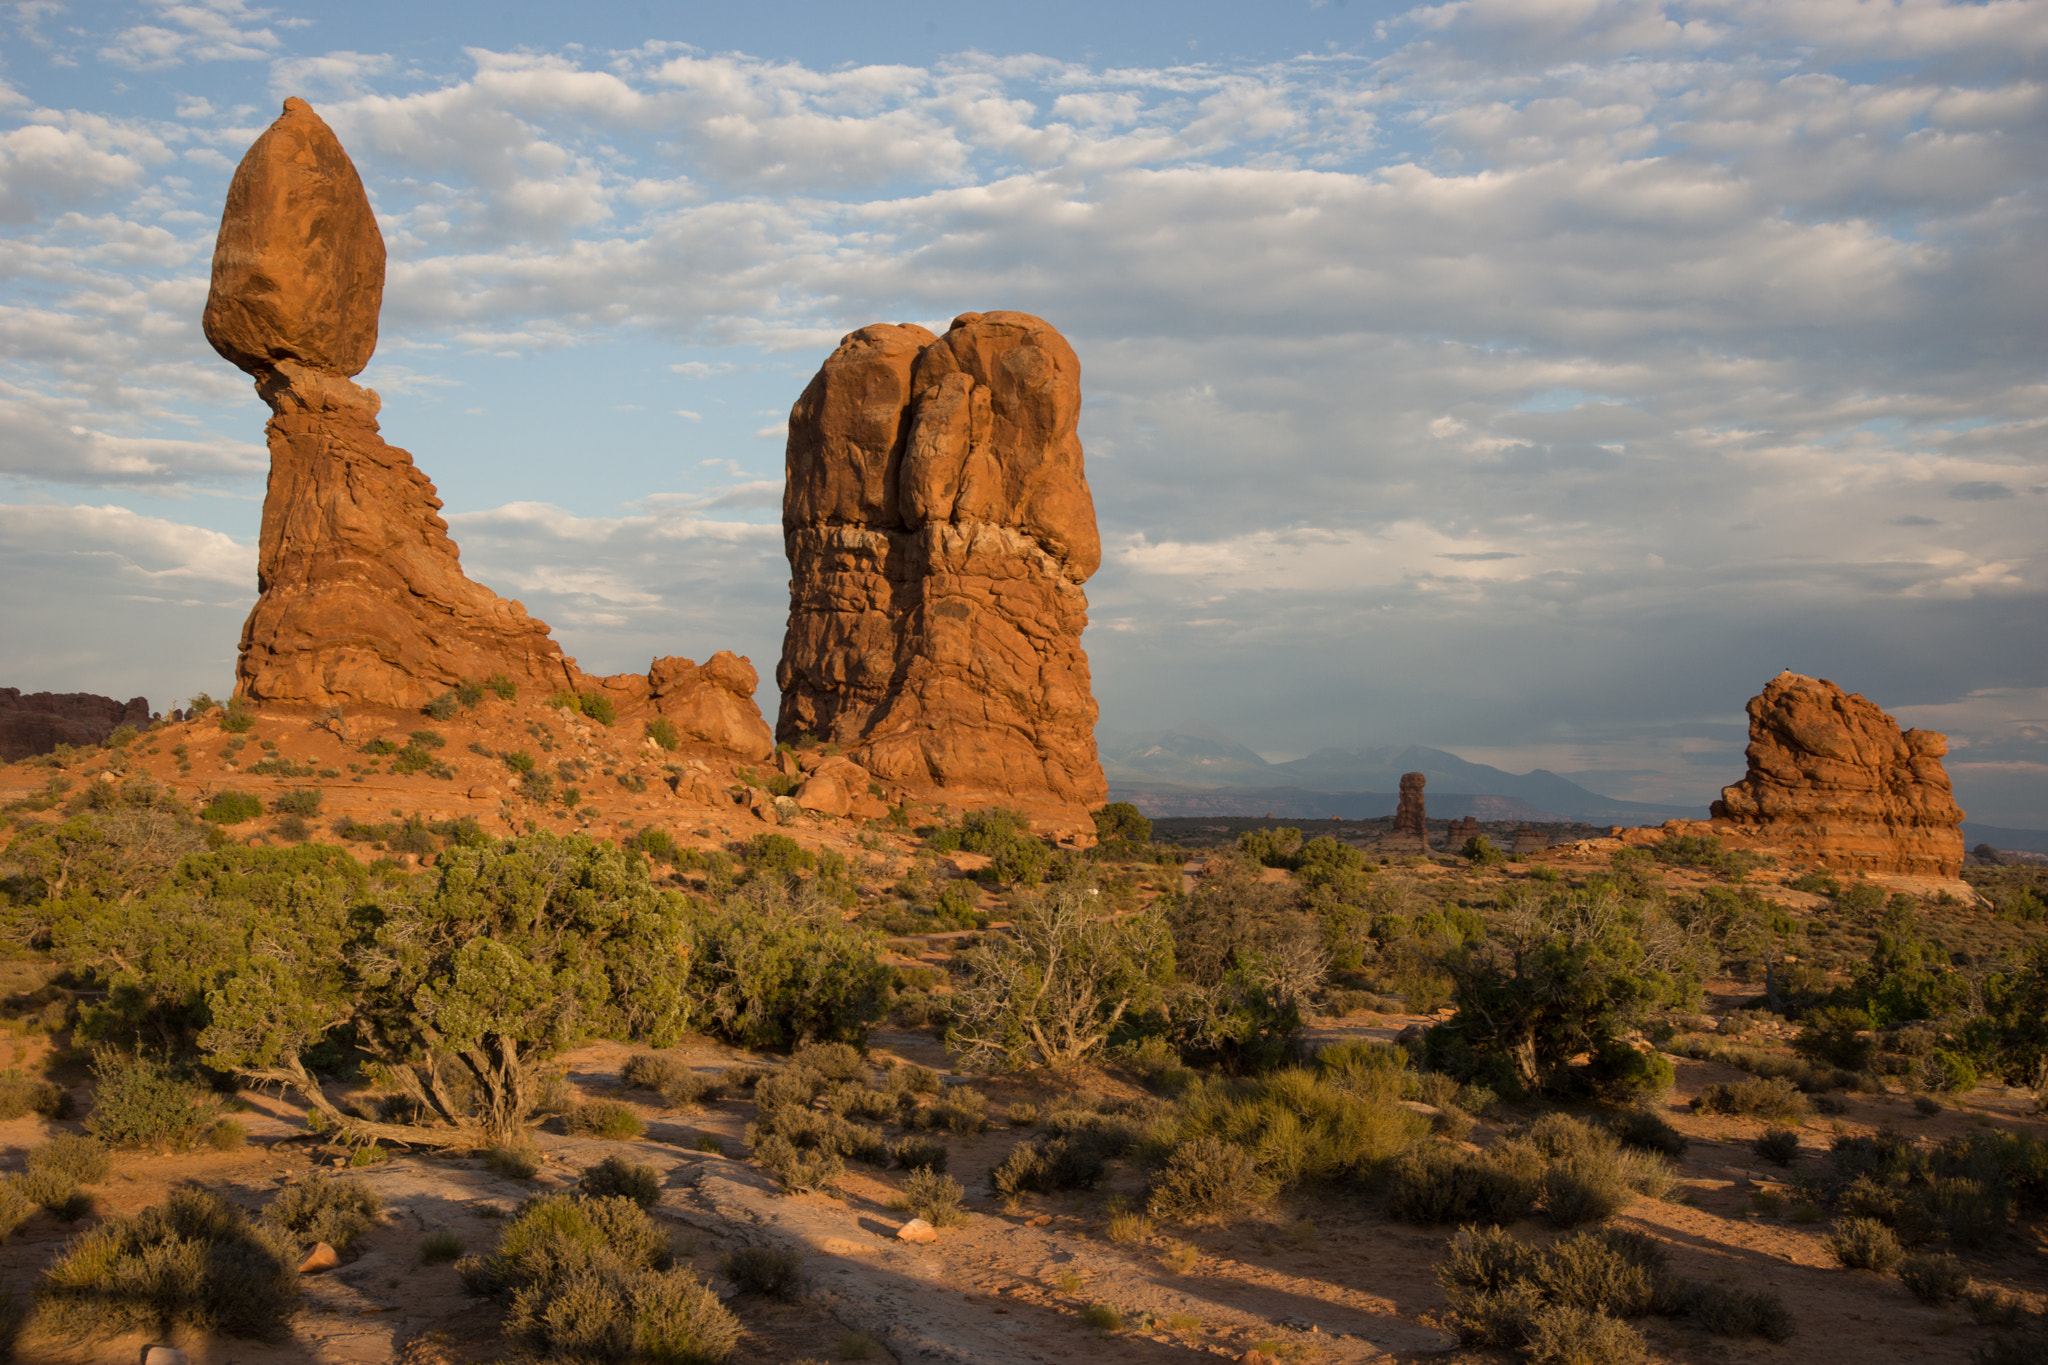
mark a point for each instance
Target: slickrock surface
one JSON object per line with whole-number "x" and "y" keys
{"x": 363, "y": 599}
{"x": 38, "y": 722}
{"x": 939, "y": 528}
{"x": 1832, "y": 775}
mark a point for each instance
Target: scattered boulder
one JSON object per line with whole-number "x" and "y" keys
{"x": 38, "y": 722}
{"x": 321, "y": 1257}
{"x": 1832, "y": 776}
{"x": 917, "y": 1230}
{"x": 939, "y": 529}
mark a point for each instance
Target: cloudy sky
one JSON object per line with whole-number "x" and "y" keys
{"x": 1530, "y": 378}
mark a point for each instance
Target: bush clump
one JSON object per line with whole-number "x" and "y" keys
{"x": 933, "y": 1197}
{"x": 21, "y": 1095}
{"x": 1441, "y": 1185}
{"x": 139, "y": 1102}
{"x": 1649, "y": 1132}
{"x": 615, "y": 1177}
{"x": 590, "y": 1280}
{"x": 606, "y": 1119}
{"x": 1730, "y": 1311}
{"x": 1206, "y": 1179}
{"x": 1865, "y": 1244}
{"x": 652, "y": 1071}
{"x": 1779, "y": 1146}
{"x": 915, "y": 1153}
{"x": 1774, "y": 1099}
{"x": 194, "y": 1261}
{"x": 231, "y": 808}
{"x": 1074, "y": 1162}
{"x": 1934, "y": 1277}
{"x": 321, "y": 1209}
{"x": 773, "y": 1271}
{"x": 84, "y": 1160}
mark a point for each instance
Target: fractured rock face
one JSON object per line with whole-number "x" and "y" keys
{"x": 939, "y": 528}
{"x": 362, "y": 595}
{"x": 1833, "y": 776}
{"x": 40, "y": 721}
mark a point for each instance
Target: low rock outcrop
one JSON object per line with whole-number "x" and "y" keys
{"x": 1834, "y": 777}
{"x": 939, "y": 528}
{"x": 38, "y": 722}
{"x": 362, "y": 595}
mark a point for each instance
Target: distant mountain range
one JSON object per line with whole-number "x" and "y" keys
{"x": 1194, "y": 770}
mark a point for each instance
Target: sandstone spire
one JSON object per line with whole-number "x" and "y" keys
{"x": 362, "y": 594}
{"x": 1833, "y": 776}
{"x": 939, "y": 528}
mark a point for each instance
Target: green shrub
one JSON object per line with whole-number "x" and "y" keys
{"x": 226, "y": 1135}
{"x": 16, "y": 1207}
{"x": 237, "y": 718}
{"x": 1563, "y": 1335}
{"x": 513, "y": 1162}
{"x": 798, "y": 1170}
{"x": 322, "y": 1209}
{"x": 57, "y": 1192}
{"x": 933, "y": 1197}
{"x": 1206, "y": 1179}
{"x": 1729, "y": 1311}
{"x": 82, "y": 1159}
{"x": 1623, "y": 1274}
{"x": 1946, "y": 1072}
{"x": 914, "y": 1153}
{"x": 833, "y": 1061}
{"x": 1584, "y": 1189}
{"x": 1104, "y": 1318}
{"x": 1042, "y": 1167}
{"x": 370, "y": 1154}
{"x": 1864, "y": 1244}
{"x": 1440, "y": 1185}
{"x": 1775, "y": 1100}
{"x": 194, "y": 1261}
{"x": 775, "y": 1272}
{"x": 689, "y": 1090}
{"x": 1779, "y": 1146}
{"x": 143, "y": 1103}
{"x": 21, "y": 1095}
{"x": 440, "y": 1246}
{"x": 652, "y": 1071}
{"x": 299, "y": 801}
{"x": 606, "y": 1119}
{"x": 663, "y": 731}
{"x": 1649, "y": 1132}
{"x": 1934, "y": 1277}
{"x": 231, "y": 808}
{"x": 615, "y": 1177}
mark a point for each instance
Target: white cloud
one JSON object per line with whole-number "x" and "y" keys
{"x": 194, "y": 31}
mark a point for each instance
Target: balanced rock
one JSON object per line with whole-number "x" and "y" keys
{"x": 40, "y": 721}
{"x": 939, "y": 528}
{"x": 1834, "y": 777}
{"x": 362, "y": 598}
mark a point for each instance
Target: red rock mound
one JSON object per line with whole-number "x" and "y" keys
{"x": 363, "y": 599}
{"x": 1832, "y": 775}
{"x": 939, "y": 528}
{"x": 40, "y": 721}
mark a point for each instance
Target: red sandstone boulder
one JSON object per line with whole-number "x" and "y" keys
{"x": 1833, "y": 776}
{"x": 939, "y": 528}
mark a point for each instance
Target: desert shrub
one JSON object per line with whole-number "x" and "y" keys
{"x": 1206, "y": 1179}
{"x": 773, "y": 1271}
{"x": 912, "y": 1079}
{"x": 194, "y": 1261}
{"x": 555, "y": 1234}
{"x": 1774, "y": 1100}
{"x": 1926, "y": 1106}
{"x": 143, "y": 1103}
{"x": 793, "y": 1086}
{"x": 862, "y": 1102}
{"x": 1946, "y": 1072}
{"x": 652, "y": 1071}
{"x": 300, "y": 801}
{"x": 1649, "y": 1132}
{"x": 1731, "y": 1311}
{"x": 320, "y": 1209}
{"x": 21, "y": 1095}
{"x": 370, "y": 1154}
{"x": 663, "y": 731}
{"x": 1042, "y": 1167}
{"x": 1558, "y": 1136}
{"x": 958, "y": 1110}
{"x": 1996, "y": 1308}
{"x": 833, "y": 1061}
{"x": 1584, "y": 1189}
{"x": 16, "y": 1207}
{"x": 933, "y": 1197}
{"x": 231, "y": 808}
{"x": 1301, "y": 1128}
{"x": 690, "y": 1090}
{"x": 912, "y": 1153}
{"x": 606, "y": 1119}
{"x": 615, "y": 1177}
{"x": 798, "y": 1170}
{"x": 514, "y": 1162}
{"x": 1970, "y": 1212}
{"x": 1445, "y": 1185}
{"x": 1779, "y": 1146}
{"x": 767, "y": 980}
{"x": 57, "y": 1192}
{"x": 1103, "y": 1317}
{"x": 1364, "y": 1068}
{"x": 1864, "y": 1244}
{"x": 440, "y": 1246}
{"x": 82, "y": 1159}
{"x": 1562, "y": 1335}
{"x": 1934, "y": 1277}
{"x": 1623, "y": 1274}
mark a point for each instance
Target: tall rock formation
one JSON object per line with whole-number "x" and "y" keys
{"x": 362, "y": 595}
{"x": 939, "y": 528}
{"x": 1832, "y": 776}
{"x": 1409, "y": 816}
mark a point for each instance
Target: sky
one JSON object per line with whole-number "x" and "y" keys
{"x": 1533, "y": 379}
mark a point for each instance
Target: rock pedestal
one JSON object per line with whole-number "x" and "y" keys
{"x": 939, "y": 528}
{"x": 362, "y": 599}
{"x": 1409, "y": 816}
{"x": 1834, "y": 777}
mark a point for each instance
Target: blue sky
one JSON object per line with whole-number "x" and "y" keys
{"x": 1530, "y": 378}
